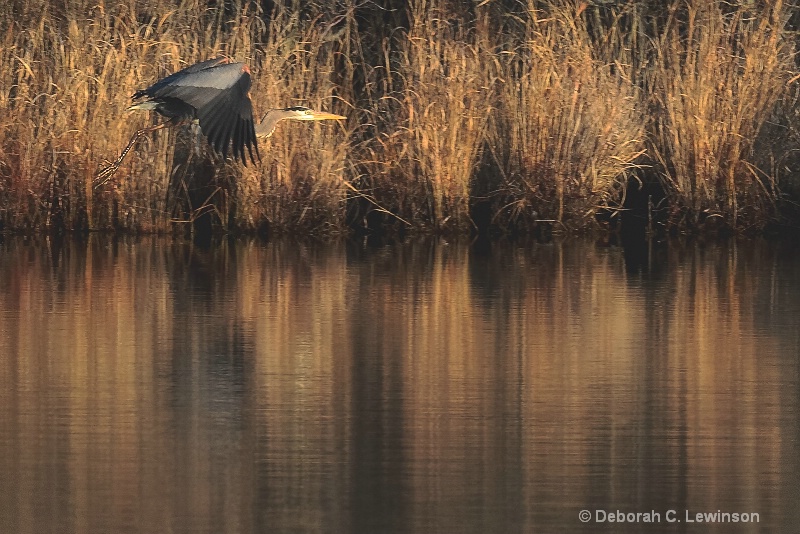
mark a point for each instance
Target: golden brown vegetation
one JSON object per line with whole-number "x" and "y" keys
{"x": 718, "y": 76}
{"x": 571, "y": 125}
{"x": 445, "y": 101}
{"x": 70, "y": 80}
{"x": 540, "y": 110}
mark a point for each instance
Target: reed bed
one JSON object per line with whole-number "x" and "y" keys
{"x": 432, "y": 95}
{"x": 541, "y": 110}
{"x": 71, "y": 80}
{"x": 570, "y": 127}
{"x": 720, "y": 72}
{"x": 445, "y": 104}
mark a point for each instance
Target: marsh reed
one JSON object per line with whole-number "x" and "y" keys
{"x": 446, "y": 101}
{"x": 429, "y": 96}
{"x": 570, "y": 126}
{"x": 546, "y": 111}
{"x": 719, "y": 73}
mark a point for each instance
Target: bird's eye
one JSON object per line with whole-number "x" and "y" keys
{"x": 307, "y": 112}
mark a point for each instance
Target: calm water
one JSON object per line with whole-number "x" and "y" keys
{"x": 151, "y": 386}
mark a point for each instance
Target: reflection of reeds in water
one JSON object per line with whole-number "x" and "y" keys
{"x": 76, "y": 389}
{"x": 722, "y": 364}
{"x": 295, "y": 384}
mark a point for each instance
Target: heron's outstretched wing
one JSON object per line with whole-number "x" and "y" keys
{"x": 169, "y": 80}
{"x": 219, "y": 93}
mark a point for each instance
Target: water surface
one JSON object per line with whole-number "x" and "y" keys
{"x": 153, "y": 386}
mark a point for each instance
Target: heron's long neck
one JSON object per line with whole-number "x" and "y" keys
{"x": 268, "y": 123}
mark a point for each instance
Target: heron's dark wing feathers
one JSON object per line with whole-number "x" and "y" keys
{"x": 230, "y": 110}
{"x": 154, "y": 89}
{"x": 218, "y": 92}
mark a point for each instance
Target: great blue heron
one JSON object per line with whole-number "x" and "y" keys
{"x": 216, "y": 94}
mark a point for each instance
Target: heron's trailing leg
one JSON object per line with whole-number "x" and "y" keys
{"x": 197, "y": 139}
{"x": 106, "y": 173}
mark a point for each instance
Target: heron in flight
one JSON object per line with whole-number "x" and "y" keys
{"x": 216, "y": 94}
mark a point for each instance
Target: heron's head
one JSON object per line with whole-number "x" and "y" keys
{"x": 296, "y": 113}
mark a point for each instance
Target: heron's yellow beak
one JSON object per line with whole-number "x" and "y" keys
{"x": 324, "y": 116}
